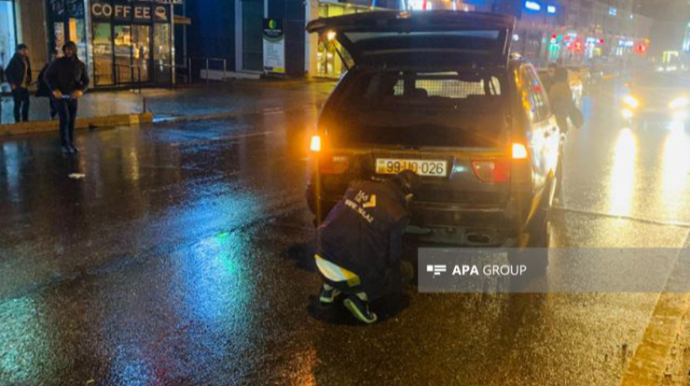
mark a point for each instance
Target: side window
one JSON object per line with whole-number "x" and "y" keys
{"x": 534, "y": 98}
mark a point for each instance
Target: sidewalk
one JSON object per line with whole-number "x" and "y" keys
{"x": 197, "y": 102}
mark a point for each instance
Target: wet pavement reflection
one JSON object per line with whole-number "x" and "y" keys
{"x": 184, "y": 257}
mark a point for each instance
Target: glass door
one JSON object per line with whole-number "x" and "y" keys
{"x": 123, "y": 53}
{"x": 132, "y": 53}
{"x": 252, "y": 38}
{"x": 162, "y": 53}
{"x": 141, "y": 51}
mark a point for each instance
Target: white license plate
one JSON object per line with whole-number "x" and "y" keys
{"x": 423, "y": 167}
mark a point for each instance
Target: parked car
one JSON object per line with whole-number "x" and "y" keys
{"x": 437, "y": 92}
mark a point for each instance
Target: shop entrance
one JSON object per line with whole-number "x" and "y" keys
{"x": 132, "y": 54}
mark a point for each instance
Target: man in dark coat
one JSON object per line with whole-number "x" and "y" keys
{"x": 18, "y": 74}
{"x": 67, "y": 78}
{"x": 359, "y": 245}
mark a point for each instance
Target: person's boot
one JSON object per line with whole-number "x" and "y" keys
{"x": 65, "y": 149}
{"x": 359, "y": 309}
{"x": 328, "y": 294}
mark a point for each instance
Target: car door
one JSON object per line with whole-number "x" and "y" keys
{"x": 542, "y": 134}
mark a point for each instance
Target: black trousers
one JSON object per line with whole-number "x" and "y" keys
{"x": 67, "y": 111}
{"x": 21, "y": 104}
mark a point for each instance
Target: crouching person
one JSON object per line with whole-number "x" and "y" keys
{"x": 359, "y": 244}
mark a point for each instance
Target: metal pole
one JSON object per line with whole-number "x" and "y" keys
{"x": 189, "y": 70}
{"x": 207, "y": 76}
{"x": 171, "y": 36}
{"x": 225, "y": 67}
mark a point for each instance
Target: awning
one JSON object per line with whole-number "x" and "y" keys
{"x": 182, "y": 20}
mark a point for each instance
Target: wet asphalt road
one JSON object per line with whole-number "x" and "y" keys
{"x": 183, "y": 257}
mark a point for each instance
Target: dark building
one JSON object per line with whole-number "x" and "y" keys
{"x": 230, "y": 34}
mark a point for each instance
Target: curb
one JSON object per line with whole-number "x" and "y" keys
{"x": 82, "y": 123}
{"x": 135, "y": 119}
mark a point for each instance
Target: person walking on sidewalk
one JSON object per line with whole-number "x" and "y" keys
{"x": 18, "y": 75}
{"x": 67, "y": 78}
{"x": 43, "y": 91}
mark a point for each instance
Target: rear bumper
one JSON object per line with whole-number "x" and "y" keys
{"x": 446, "y": 223}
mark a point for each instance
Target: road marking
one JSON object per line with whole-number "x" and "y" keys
{"x": 648, "y": 364}
{"x": 678, "y": 224}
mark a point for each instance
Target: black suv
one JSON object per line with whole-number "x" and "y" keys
{"x": 439, "y": 93}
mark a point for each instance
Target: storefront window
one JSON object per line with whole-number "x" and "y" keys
{"x": 129, "y": 40}
{"x": 77, "y": 33}
{"x": 102, "y": 54}
{"x": 66, "y": 22}
{"x": 8, "y": 39}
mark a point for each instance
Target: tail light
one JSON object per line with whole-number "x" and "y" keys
{"x": 315, "y": 144}
{"x": 519, "y": 151}
{"x": 492, "y": 170}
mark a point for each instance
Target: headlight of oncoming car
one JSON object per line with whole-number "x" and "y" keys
{"x": 631, "y": 101}
{"x": 679, "y": 103}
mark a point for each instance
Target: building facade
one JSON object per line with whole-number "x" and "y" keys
{"x": 131, "y": 41}
{"x": 122, "y": 42}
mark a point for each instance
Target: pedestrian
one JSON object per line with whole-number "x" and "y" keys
{"x": 563, "y": 107}
{"x": 67, "y": 79}
{"x": 548, "y": 81}
{"x": 18, "y": 73}
{"x": 359, "y": 245}
{"x": 561, "y": 98}
{"x": 43, "y": 90}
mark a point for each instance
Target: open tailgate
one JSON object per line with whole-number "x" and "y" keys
{"x": 420, "y": 38}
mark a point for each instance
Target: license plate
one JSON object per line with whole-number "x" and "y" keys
{"x": 430, "y": 168}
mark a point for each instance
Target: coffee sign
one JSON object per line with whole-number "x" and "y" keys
{"x": 143, "y": 12}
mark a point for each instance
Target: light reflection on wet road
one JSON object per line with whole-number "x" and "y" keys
{"x": 183, "y": 258}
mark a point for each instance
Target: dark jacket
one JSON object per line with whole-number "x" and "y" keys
{"x": 16, "y": 69}
{"x": 363, "y": 232}
{"x": 43, "y": 90}
{"x": 67, "y": 75}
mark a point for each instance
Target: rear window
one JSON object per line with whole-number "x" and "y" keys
{"x": 422, "y": 109}
{"x": 356, "y": 37}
